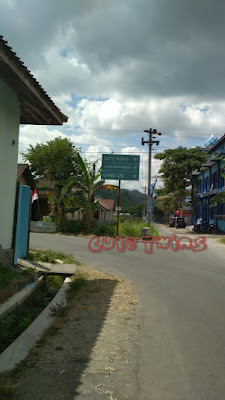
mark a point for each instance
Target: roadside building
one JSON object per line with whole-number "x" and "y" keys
{"x": 210, "y": 183}
{"x": 102, "y": 213}
{"x": 24, "y": 176}
{"x": 22, "y": 101}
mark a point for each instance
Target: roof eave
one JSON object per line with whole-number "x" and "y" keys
{"x": 37, "y": 108}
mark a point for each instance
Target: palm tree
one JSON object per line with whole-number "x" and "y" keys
{"x": 87, "y": 183}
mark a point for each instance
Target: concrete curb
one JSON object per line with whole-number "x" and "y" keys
{"x": 20, "y": 348}
{"x": 48, "y": 268}
{"x": 18, "y": 298}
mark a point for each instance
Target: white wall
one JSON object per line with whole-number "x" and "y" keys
{"x": 9, "y": 131}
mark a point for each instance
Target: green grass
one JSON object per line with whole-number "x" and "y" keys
{"x": 154, "y": 231}
{"x": 13, "y": 324}
{"x": 101, "y": 230}
{"x": 128, "y": 226}
{"x": 79, "y": 282}
{"x": 54, "y": 281}
{"x": 50, "y": 256}
{"x": 8, "y": 275}
{"x": 6, "y": 392}
{"x": 222, "y": 241}
{"x": 133, "y": 228}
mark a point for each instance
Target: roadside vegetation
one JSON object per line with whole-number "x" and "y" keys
{"x": 176, "y": 169}
{"x": 13, "y": 324}
{"x": 12, "y": 280}
{"x": 127, "y": 227}
{"x": 6, "y": 392}
{"x": 16, "y": 322}
{"x": 222, "y": 241}
{"x": 77, "y": 283}
{"x": 8, "y": 275}
{"x": 75, "y": 185}
{"x": 51, "y": 256}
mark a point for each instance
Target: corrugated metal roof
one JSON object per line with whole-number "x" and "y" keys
{"x": 23, "y": 169}
{"x": 44, "y": 184}
{"x": 20, "y": 169}
{"x": 36, "y": 106}
{"x": 216, "y": 143}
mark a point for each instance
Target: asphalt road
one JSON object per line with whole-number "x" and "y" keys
{"x": 182, "y": 350}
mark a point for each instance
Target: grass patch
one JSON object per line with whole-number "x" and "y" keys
{"x": 128, "y": 226}
{"x": 8, "y": 275}
{"x": 101, "y": 230}
{"x": 19, "y": 368}
{"x": 133, "y": 228}
{"x": 50, "y": 256}
{"x": 54, "y": 281}
{"x": 13, "y": 324}
{"x": 6, "y": 392}
{"x": 154, "y": 231}
{"x": 79, "y": 281}
{"x": 222, "y": 241}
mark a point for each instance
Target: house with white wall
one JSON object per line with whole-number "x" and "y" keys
{"x": 102, "y": 213}
{"x": 22, "y": 101}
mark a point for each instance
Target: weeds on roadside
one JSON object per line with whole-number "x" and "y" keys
{"x": 7, "y": 275}
{"x": 76, "y": 284}
{"x": 14, "y": 323}
{"x": 54, "y": 281}
{"x": 127, "y": 227}
{"x": 19, "y": 368}
{"x": 222, "y": 241}
{"x": 58, "y": 310}
{"x": 6, "y": 392}
{"x": 50, "y": 256}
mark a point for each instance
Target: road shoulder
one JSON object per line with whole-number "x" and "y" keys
{"x": 90, "y": 352}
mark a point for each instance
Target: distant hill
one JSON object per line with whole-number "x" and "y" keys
{"x": 131, "y": 201}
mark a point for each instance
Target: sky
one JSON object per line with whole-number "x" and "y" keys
{"x": 116, "y": 68}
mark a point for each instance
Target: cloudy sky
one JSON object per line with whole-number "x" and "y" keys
{"x": 118, "y": 67}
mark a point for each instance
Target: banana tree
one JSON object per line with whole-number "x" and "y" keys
{"x": 87, "y": 183}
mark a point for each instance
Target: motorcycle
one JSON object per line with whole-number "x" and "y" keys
{"x": 204, "y": 227}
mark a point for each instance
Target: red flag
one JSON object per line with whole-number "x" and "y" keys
{"x": 34, "y": 195}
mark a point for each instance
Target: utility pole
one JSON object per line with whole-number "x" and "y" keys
{"x": 152, "y": 135}
{"x": 144, "y": 213}
{"x": 118, "y": 209}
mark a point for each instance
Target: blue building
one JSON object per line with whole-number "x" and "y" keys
{"x": 211, "y": 182}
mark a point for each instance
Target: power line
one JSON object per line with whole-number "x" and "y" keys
{"x": 106, "y": 152}
{"x": 141, "y": 130}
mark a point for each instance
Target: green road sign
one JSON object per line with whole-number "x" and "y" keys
{"x": 120, "y": 167}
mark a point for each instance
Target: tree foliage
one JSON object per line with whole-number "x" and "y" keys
{"x": 56, "y": 162}
{"x": 177, "y": 168}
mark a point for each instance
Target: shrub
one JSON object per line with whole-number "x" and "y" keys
{"x": 7, "y": 275}
{"x": 47, "y": 218}
{"x": 72, "y": 227}
{"x": 101, "y": 229}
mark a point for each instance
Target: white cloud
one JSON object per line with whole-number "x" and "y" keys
{"x": 119, "y": 68}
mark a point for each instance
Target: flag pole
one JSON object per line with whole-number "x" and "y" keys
{"x": 36, "y": 197}
{"x": 39, "y": 209}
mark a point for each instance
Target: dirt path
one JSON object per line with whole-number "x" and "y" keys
{"x": 91, "y": 351}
